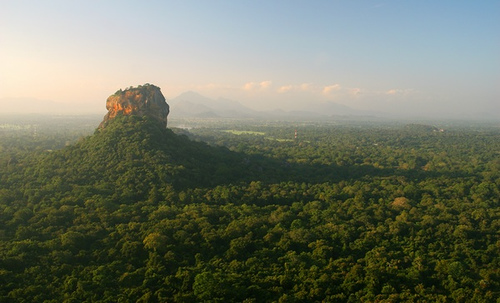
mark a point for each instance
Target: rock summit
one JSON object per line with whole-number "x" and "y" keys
{"x": 144, "y": 100}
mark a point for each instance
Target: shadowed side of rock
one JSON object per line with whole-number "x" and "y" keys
{"x": 144, "y": 100}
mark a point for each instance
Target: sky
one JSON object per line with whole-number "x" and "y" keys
{"x": 436, "y": 58}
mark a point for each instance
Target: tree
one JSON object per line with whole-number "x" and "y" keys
{"x": 155, "y": 242}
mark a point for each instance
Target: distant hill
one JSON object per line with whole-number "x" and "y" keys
{"x": 193, "y": 105}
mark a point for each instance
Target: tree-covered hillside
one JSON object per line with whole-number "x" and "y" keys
{"x": 137, "y": 213}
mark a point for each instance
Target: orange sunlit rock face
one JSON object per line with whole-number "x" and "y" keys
{"x": 142, "y": 100}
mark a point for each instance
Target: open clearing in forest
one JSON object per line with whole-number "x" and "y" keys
{"x": 250, "y": 132}
{"x": 244, "y": 132}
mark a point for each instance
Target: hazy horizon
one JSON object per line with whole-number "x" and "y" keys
{"x": 436, "y": 59}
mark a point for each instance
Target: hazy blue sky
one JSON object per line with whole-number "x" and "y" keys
{"x": 396, "y": 56}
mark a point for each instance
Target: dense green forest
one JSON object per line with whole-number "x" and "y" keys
{"x": 232, "y": 212}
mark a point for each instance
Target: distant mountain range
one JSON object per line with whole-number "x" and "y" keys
{"x": 193, "y": 105}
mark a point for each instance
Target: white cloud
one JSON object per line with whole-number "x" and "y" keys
{"x": 251, "y": 86}
{"x": 304, "y": 87}
{"x": 285, "y": 88}
{"x": 331, "y": 88}
{"x": 399, "y": 92}
{"x": 300, "y": 88}
{"x": 265, "y": 84}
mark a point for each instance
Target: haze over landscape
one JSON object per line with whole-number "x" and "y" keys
{"x": 249, "y": 151}
{"x": 407, "y": 59}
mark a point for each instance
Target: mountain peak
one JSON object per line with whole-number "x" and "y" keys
{"x": 143, "y": 100}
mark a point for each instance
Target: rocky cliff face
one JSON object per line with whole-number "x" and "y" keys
{"x": 144, "y": 100}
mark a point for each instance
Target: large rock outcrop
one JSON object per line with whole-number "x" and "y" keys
{"x": 144, "y": 100}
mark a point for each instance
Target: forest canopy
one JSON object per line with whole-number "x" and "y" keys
{"x": 231, "y": 212}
